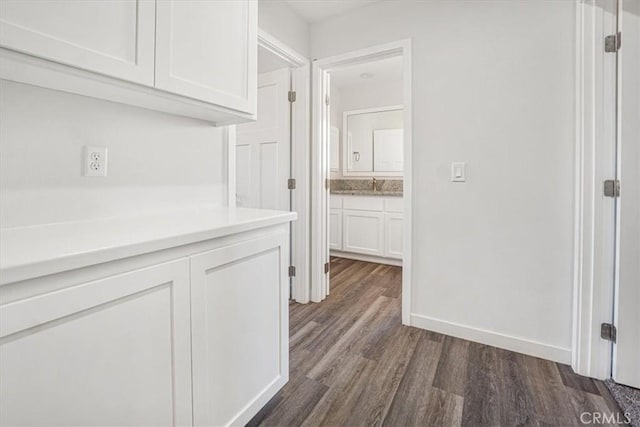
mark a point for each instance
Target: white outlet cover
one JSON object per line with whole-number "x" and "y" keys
{"x": 95, "y": 161}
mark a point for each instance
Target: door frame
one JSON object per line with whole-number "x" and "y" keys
{"x": 320, "y": 163}
{"x": 300, "y": 134}
{"x": 594, "y": 233}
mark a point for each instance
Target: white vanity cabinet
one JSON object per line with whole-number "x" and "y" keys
{"x": 113, "y": 351}
{"x": 363, "y": 232}
{"x": 186, "y": 57}
{"x": 369, "y": 226}
{"x": 193, "y": 332}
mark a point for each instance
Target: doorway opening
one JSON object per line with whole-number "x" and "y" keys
{"x": 267, "y": 156}
{"x": 361, "y": 185}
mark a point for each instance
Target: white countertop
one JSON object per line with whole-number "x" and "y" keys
{"x": 28, "y": 252}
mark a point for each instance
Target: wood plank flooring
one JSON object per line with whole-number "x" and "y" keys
{"x": 353, "y": 363}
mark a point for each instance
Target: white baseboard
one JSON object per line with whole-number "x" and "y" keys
{"x": 496, "y": 339}
{"x": 366, "y": 258}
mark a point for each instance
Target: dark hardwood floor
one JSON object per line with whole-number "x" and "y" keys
{"x": 354, "y": 364}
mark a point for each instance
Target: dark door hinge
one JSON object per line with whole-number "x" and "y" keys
{"x": 612, "y": 188}
{"x": 326, "y": 267}
{"x": 292, "y": 271}
{"x": 292, "y": 96}
{"x": 613, "y": 42}
{"x": 291, "y": 183}
{"x": 608, "y": 332}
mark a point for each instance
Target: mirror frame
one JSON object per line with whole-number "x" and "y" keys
{"x": 345, "y": 142}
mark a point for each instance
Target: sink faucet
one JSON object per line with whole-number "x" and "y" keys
{"x": 374, "y": 184}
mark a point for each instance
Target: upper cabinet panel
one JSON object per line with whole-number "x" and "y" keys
{"x": 114, "y": 38}
{"x": 208, "y": 51}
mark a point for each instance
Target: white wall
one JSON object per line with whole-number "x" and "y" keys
{"x": 493, "y": 85}
{"x": 155, "y": 161}
{"x": 279, "y": 20}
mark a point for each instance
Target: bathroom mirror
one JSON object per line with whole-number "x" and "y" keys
{"x": 373, "y": 142}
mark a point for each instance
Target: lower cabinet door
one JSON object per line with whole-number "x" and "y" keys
{"x": 335, "y": 229}
{"x": 239, "y": 309}
{"x": 114, "y": 351}
{"x": 393, "y": 237}
{"x": 363, "y": 232}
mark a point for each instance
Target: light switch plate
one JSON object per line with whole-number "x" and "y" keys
{"x": 458, "y": 172}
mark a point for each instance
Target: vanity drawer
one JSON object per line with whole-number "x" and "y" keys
{"x": 363, "y": 203}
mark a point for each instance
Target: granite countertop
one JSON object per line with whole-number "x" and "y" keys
{"x": 366, "y": 187}
{"x": 35, "y": 251}
{"x": 367, "y": 193}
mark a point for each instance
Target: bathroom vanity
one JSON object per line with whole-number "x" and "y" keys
{"x": 366, "y": 225}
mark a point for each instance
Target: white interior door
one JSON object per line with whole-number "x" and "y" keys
{"x": 626, "y": 356}
{"x": 263, "y": 147}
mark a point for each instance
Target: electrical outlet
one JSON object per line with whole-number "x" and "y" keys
{"x": 95, "y": 161}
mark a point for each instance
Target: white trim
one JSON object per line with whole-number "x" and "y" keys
{"x": 229, "y": 135}
{"x": 346, "y": 156}
{"x": 300, "y": 156}
{"x": 26, "y": 69}
{"x": 319, "y": 193}
{"x": 495, "y": 339}
{"x": 594, "y": 232}
{"x": 365, "y": 258}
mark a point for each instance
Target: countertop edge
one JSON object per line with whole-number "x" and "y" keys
{"x": 68, "y": 262}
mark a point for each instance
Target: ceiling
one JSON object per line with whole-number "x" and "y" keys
{"x": 317, "y": 10}
{"x": 384, "y": 71}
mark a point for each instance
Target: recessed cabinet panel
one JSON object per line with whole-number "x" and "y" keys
{"x": 335, "y": 229}
{"x": 239, "y": 329}
{"x": 115, "y": 38}
{"x": 111, "y": 352}
{"x": 207, "y": 50}
{"x": 363, "y": 232}
{"x": 393, "y": 228}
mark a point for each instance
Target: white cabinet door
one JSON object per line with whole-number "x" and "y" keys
{"x": 393, "y": 235}
{"x": 335, "y": 229}
{"x": 239, "y": 307}
{"x": 363, "y": 232}
{"x": 207, "y": 50}
{"x": 114, "y": 38}
{"x": 115, "y": 352}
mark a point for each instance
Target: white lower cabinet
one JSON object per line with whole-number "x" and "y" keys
{"x": 366, "y": 225}
{"x": 239, "y": 309}
{"x": 114, "y": 351}
{"x": 363, "y": 232}
{"x": 393, "y": 235}
{"x": 335, "y": 229}
{"x": 202, "y": 340}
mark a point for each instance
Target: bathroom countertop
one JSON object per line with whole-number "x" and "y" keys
{"x": 367, "y": 193}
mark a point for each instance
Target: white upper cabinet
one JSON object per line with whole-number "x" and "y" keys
{"x": 207, "y": 50}
{"x": 194, "y": 58}
{"x": 115, "y": 38}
